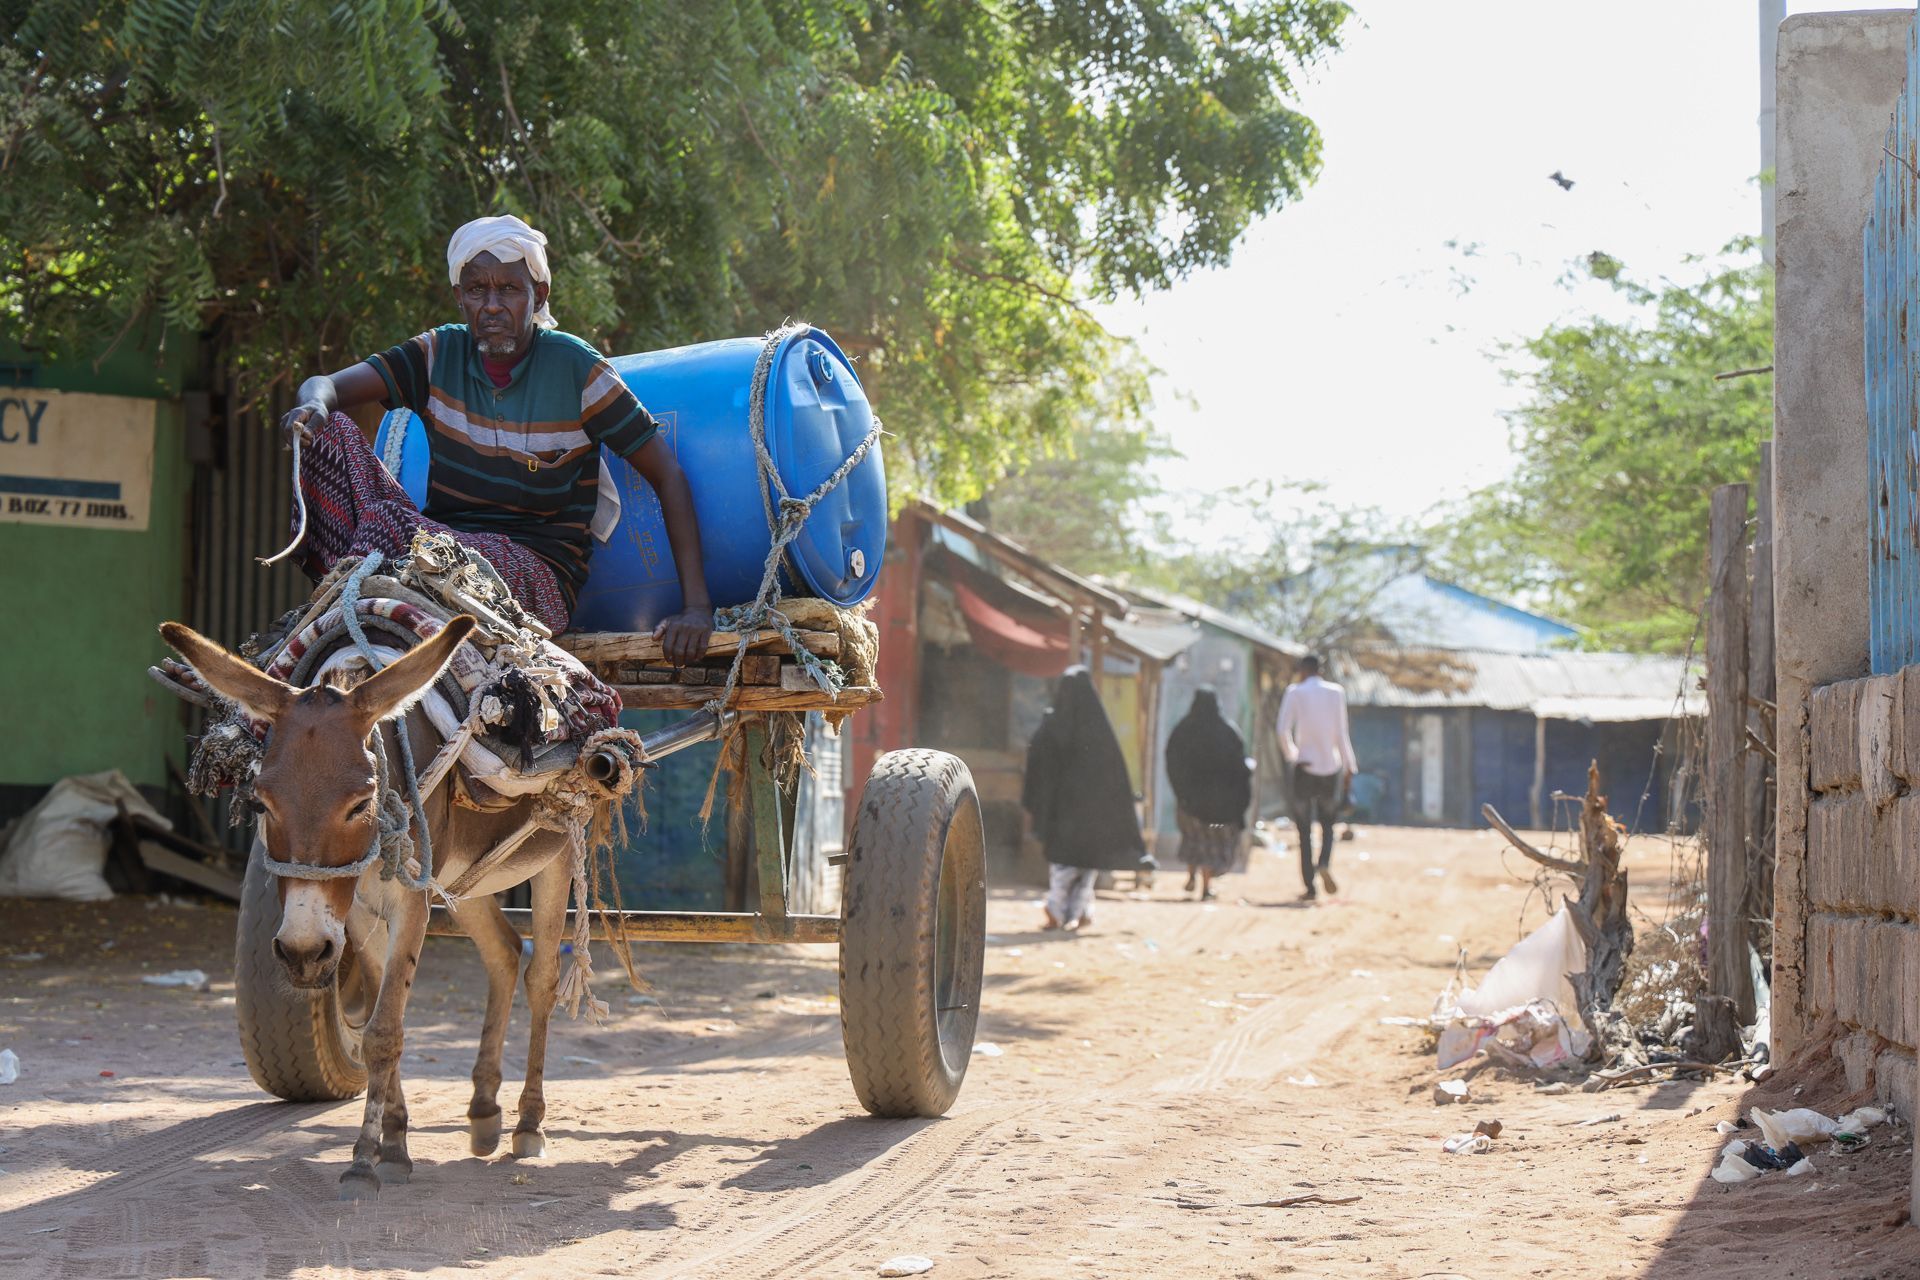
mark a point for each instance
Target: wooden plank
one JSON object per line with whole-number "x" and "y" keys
{"x": 593, "y": 647}
{"x": 763, "y": 668}
{"x": 158, "y": 858}
{"x": 1761, "y": 696}
{"x": 677, "y": 926}
{"x": 745, "y": 698}
{"x": 1060, "y": 582}
{"x": 769, "y": 831}
{"x": 1729, "y": 1005}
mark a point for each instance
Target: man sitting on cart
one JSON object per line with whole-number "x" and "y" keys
{"x": 516, "y": 412}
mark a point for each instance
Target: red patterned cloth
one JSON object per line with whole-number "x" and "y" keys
{"x": 354, "y": 505}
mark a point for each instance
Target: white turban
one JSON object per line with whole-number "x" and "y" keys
{"x": 509, "y": 240}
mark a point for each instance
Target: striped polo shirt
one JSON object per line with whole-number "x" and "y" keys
{"x": 523, "y": 459}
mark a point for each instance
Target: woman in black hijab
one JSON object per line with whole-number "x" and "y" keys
{"x": 1080, "y": 800}
{"x": 1207, "y": 767}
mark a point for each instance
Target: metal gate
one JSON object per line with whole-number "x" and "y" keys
{"x": 241, "y": 508}
{"x": 1891, "y": 263}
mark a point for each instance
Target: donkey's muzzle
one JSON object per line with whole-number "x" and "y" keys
{"x": 308, "y": 965}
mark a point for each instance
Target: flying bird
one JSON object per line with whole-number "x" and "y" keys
{"x": 1566, "y": 183}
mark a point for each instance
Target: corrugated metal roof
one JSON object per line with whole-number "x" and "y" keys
{"x": 1155, "y": 633}
{"x": 1217, "y": 618}
{"x": 1560, "y": 685}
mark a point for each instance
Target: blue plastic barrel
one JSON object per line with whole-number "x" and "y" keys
{"x": 817, "y": 414}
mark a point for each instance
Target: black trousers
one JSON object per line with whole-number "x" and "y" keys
{"x": 1315, "y": 800}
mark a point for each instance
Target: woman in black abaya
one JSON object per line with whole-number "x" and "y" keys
{"x": 1081, "y": 803}
{"x": 1207, "y": 768}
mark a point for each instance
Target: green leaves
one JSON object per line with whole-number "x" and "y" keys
{"x": 1625, "y": 435}
{"x": 940, "y": 183}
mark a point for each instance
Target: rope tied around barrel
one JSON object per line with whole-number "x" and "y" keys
{"x": 787, "y": 517}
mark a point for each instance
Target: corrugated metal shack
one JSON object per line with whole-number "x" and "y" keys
{"x": 1440, "y": 732}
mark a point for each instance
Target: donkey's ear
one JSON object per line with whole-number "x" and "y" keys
{"x": 232, "y": 677}
{"x": 393, "y": 689}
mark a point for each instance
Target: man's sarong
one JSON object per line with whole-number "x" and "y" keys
{"x": 354, "y": 505}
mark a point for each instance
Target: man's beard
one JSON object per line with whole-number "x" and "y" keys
{"x": 498, "y": 347}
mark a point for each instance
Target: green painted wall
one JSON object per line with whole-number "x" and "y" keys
{"x": 80, "y": 606}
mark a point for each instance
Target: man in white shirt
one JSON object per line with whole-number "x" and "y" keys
{"x": 1319, "y": 752}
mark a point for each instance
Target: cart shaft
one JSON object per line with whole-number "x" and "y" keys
{"x": 677, "y": 926}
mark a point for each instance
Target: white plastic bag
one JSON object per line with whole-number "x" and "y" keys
{"x": 59, "y": 849}
{"x": 1802, "y": 1124}
{"x": 1536, "y": 969}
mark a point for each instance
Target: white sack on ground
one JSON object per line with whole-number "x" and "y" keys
{"x": 1536, "y": 969}
{"x": 59, "y": 848}
{"x": 1525, "y": 999}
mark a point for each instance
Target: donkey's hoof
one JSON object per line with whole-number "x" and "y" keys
{"x": 483, "y": 1134}
{"x": 395, "y": 1173}
{"x": 529, "y": 1145}
{"x": 359, "y": 1184}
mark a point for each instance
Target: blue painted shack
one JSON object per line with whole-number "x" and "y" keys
{"x": 1440, "y": 732}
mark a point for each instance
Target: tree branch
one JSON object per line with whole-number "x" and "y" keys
{"x": 1546, "y": 860}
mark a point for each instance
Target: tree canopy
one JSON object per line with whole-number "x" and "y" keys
{"x": 1624, "y": 435}
{"x": 943, "y": 184}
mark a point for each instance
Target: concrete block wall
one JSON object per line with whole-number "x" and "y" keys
{"x": 1863, "y": 877}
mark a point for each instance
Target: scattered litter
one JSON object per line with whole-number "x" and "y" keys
{"x": 9, "y": 1066}
{"x": 1467, "y": 1144}
{"x": 1305, "y": 1082}
{"x": 1359, "y": 973}
{"x": 640, "y": 1000}
{"x": 1779, "y": 1129}
{"x": 988, "y": 1049}
{"x": 1555, "y": 1089}
{"x": 1015, "y": 951}
{"x": 907, "y": 1264}
{"x": 1450, "y": 1091}
{"x": 521, "y": 1179}
{"x": 535, "y": 1204}
{"x": 27, "y": 957}
{"x": 178, "y": 978}
{"x": 1403, "y": 1021}
{"x": 106, "y": 1075}
{"x": 1364, "y": 856}
{"x": 1491, "y": 1128}
{"x": 1726, "y": 1127}
{"x": 1519, "y": 1002}
{"x": 579, "y": 1061}
{"x": 719, "y": 1026}
{"x": 1804, "y": 1166}
{"x": 41, "y": 1231}
{"x": 1612, "y": 1117}
{"x": 1853, "y": 1126}
{"x": 1764, "y": 1158}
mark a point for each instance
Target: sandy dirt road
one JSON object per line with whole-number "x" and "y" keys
{"x": 1179, "y": 1053}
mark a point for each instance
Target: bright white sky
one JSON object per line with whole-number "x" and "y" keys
{"x": 1339, "y": 346}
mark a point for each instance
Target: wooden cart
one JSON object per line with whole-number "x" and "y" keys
{"x": 911, "y": 929}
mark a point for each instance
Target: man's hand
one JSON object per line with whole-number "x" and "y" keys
{"x": 302, "y": 420}
{"x": 683, "y": 637}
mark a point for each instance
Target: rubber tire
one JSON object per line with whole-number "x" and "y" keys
{"x": 918, "y": 817}
{"x": 295, "y": 1042}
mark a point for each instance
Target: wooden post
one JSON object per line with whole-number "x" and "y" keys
{"x": 1728, "y": 1005}
{"x": 1539, "y": 795}
{"x": 1761, "y": 693}
{"x": 1097, "y": 651}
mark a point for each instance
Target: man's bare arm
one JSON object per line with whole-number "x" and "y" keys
{"x": 324, "y": 393}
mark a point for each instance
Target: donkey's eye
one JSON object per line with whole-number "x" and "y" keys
{"x": 362, "y": 808}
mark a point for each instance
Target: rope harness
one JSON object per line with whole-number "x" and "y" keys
{"x": 786, "y": 519}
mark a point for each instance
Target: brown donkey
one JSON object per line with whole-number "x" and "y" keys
{"x": 318, "y": 789}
